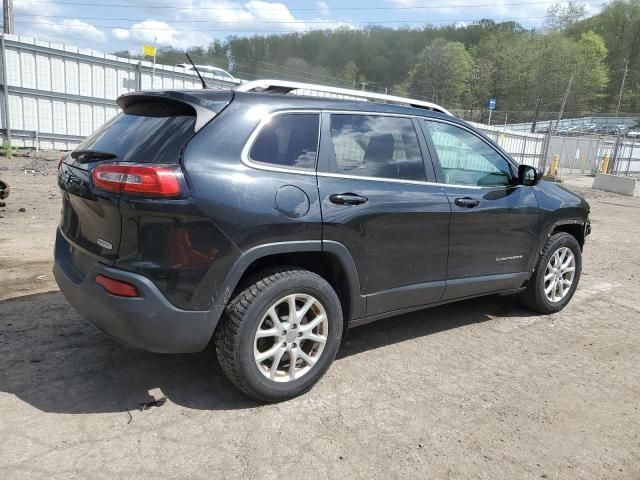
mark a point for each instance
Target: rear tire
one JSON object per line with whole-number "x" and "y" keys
{"x": 265, "y": 351}
{"x": 556, "y": 276}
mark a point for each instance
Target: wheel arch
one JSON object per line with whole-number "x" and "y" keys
{"x": 330, "y": 260}
{"x": 574, "y": 228}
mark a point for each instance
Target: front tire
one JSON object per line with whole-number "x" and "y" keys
{"x": 279, "y": 334}
{"x": 556, "y": 276}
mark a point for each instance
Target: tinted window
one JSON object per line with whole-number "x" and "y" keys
{"x": 465, "y": 159}
{"x": 376, "y": 146}
{"x": 152, "y": 136}
{"x": 289, "y": 140}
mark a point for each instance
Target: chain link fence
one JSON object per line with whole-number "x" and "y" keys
{"x": 572, "y": 156}
{"x": 523, "y": 147}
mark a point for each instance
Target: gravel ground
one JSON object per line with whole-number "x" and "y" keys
{"x": 480, "y": 389}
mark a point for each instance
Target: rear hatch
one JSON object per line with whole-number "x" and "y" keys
{"x": 152, "y": 129}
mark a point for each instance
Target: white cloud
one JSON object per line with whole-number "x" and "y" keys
{"x": 225, "y": 17}
{"x": 121, "y": 33}
{"x": 66, "y": 31}
{"x": 35, "y": 6}
{"x": 82, "y": 29}
{"x": 254, "y": 16}
{"x": 156, "y": 31}
{"x": 266, "y": 11}
{"x": 197, "y": 24}
{"x": 498, "y": 10}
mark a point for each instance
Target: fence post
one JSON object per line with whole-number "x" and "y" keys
{"x": 604, "y": 166}
{"x": 633, "y": 144}
{"x": 5, "y": 89}
{"x": 614, "y": 157}
{"x": 555, "y": 163}
{"x": 139, "y": 76}
{"x": 542, "y": 162}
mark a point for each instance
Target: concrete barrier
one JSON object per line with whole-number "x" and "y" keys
{"x": 617, "y": 184}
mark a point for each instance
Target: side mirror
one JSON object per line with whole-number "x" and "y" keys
{"x": 527, "y": 175}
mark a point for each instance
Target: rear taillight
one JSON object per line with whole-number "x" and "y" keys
{"x": 64, "y": 155}
{"x": 145, "y": 180}
{"x": 117, "y": 287}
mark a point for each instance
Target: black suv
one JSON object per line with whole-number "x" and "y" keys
{"x": 274, "y": 222}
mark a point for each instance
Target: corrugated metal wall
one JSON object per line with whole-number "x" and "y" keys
{"x": 54, "y": 95}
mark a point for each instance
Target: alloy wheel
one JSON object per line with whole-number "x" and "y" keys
{"x": 559, "y": 274}
{"x": 291, "y": 337}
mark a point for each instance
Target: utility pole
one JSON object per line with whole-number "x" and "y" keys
{"x": 7, "y": 10}
{"x": 474, "y": 77}
{"x": 535, "y": 118}
{"x": 624, "y": 77}
{"x": 564, "y": 101}
{"x": 155, "y": 53}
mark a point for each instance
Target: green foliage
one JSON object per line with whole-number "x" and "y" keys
{"x": 7, "y": 150}
{"x": 619, "y": 26}
{"x": 442, "y": 72}
{"x": 592, "y": 73}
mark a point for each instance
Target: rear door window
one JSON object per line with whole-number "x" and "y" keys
{"x": 288, "y": 140}
{"x": 375, "y": 146}
{"x": 144, "y": 135}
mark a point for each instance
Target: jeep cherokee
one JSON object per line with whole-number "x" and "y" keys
{"x": 272, "y": 223}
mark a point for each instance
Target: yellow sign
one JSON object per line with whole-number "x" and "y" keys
{"x": 149, "y": 50}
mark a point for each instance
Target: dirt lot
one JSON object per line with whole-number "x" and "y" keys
{"x": 481, "y": 389}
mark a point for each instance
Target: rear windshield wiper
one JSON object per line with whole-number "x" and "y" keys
{"x": 86, "y": 155}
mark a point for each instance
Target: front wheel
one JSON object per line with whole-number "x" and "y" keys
{"x": 556, "y": 276}
{"x": 279, "y": 335}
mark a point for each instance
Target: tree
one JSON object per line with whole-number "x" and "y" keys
{"x": 563, "y": 16}
{"x": 125, "y": 54}
{"x": 349, "y": 73}
{"x": 592, "y": 73}
{"x": 442, "y": 72}
{"x": 619, "y": 26}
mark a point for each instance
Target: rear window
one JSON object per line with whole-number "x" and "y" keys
{"x": 288, "y": 140}
{"x": 144, "y": 135}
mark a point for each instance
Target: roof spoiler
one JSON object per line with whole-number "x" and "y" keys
{"x": 204, "y": 108}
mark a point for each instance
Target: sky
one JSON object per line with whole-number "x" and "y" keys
{"x": 112, "y": 25}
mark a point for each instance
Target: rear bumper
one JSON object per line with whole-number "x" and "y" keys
{"x": 149, "y": 322}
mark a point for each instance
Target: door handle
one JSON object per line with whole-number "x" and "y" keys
{"x": 348, "y": 199}
{"x": 467, "y": 202}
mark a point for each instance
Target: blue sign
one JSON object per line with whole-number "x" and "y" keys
{"x": 491, "y": 104}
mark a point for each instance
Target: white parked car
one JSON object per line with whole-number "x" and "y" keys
{"x": 633, "y": 134}
{"x": 218, "y": 72}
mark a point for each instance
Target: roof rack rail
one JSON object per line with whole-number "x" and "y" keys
{"x": 285, "y": 86}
